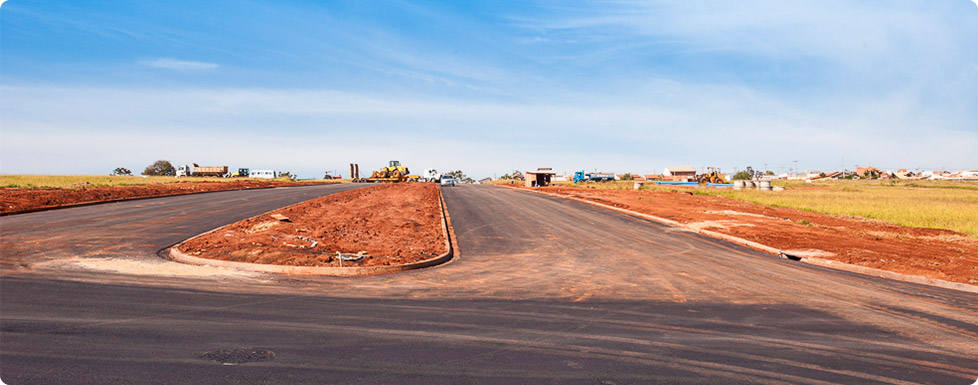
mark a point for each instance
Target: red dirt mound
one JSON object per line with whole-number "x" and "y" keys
{"x": 19, "y": 200}
{"x": 933, "y": 253}
{"x": 393, "y": 224}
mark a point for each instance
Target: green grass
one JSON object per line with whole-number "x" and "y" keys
{"x": 76, "y": 181}
{"x": 949, "y": 205}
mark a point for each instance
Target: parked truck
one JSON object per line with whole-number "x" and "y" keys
{"x": 431, "y": 175}
{"x": 582, "y": 176}
{"x": 197, "y": 170}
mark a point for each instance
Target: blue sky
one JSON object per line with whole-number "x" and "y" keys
{"x": 486, "y": 87}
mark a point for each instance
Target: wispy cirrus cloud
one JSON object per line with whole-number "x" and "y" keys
{"x": 179, "y": 65}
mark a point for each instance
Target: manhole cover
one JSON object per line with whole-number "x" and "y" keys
{"x": 239, "y": 355}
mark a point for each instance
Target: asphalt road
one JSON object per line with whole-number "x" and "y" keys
{"x": 544, "y": 290}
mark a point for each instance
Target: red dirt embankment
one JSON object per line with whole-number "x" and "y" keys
{"x": 19, "y": 200}
{"x": 393, "y": 224}
{"x": 932, "y": 253}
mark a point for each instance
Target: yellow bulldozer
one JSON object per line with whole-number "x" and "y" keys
{"x": 393, "y": 173}
{"x": 713, "y": 176}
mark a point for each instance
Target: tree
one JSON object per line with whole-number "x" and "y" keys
{"x": 459, "y": 176}
{"x": 743, "y": 175}
{"x": 121, "y": 171}
{"x": 627, "y": 176}
{"x": 871, "y": 174}
{"x": 160, "y": 168}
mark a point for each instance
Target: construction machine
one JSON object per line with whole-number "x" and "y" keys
{"x": 713, "y": 176}
{"x": 242, "y": 173}
{"x": 393, "y": 173}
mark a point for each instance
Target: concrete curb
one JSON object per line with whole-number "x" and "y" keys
{"x": 173, "y": 253}
{"x": 772, "y": 250}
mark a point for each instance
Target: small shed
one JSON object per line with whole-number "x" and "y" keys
{"x": 686, "y": 173}
{"x": 539, "y": 178}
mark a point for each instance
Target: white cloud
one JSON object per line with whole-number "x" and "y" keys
{"x": 178, "y": 65}
{"x": 309, "y": 131}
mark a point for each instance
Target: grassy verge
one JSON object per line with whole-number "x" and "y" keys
{"x": 929, "y": 204}
{"x": 75, "y": 181}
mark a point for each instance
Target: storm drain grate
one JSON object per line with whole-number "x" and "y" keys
{"x": 238, "y": 355}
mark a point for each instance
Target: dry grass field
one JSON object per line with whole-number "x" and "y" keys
{"x": 929, "y": 204}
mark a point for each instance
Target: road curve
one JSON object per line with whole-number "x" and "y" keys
{"x": 544, "y": 290}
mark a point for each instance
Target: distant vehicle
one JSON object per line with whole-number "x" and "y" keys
{"x": 242, "y": 173}
{"x": 447, "y": 181}
{"x": 197, "y": 170}
{"x": 264, "y": 174}
{"x": 430, "y": 175}
{"x": 393, "y": 173}
{"x": 581, "y": 176}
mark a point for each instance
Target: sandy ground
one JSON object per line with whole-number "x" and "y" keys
{"x": 390, "y": 224}
{"x": 933, "y": 253}
{"x": 17, "y": 200}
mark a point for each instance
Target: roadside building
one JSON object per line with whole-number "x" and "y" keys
{"x": 539, "y": 178}
{"x": 679, "y": 173}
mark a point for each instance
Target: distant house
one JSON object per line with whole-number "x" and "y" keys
{"x": 633, "y": 176}
{"x": 904, "y": 174}
{"x": 652, "y": 176}
{"x": 679, "y": 173}
{"x": 485, "y": 180}
{"x": 863, "y": 171}
{"x": 968, "y": 175}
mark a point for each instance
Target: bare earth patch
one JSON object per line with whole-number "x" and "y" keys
{"x": 387, "y": 224}
{"x": 932, "y": 253}
{"x": 18, "y": 200}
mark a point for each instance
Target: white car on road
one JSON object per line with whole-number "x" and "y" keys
{"x": 447, "y": 181}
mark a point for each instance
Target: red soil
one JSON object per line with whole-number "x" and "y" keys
{"x": 933, "y": 253}
{"x": 18, "y": 200}
{"x": 393, "y": 224}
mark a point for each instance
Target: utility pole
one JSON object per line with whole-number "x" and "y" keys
{"x": 796, "y": 166}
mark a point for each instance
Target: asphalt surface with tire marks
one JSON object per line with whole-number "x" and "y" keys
{"x": 544, "y": 290}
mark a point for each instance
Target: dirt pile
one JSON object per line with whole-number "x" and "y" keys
{"x": 386, "y": 224}
{"x": 933, "y": 253}
{"x": 18, "y": 200}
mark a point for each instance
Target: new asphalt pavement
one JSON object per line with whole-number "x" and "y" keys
{"x": 541, "y": 290}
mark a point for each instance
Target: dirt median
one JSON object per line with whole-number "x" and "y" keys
{"x": 932, "y": 253}
{"x": 387, "y": 224}
{"x": 21, "y": 200}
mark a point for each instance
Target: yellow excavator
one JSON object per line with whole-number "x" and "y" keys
{"x": 390, "y": 174}
{"x": 713, "y": 176}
